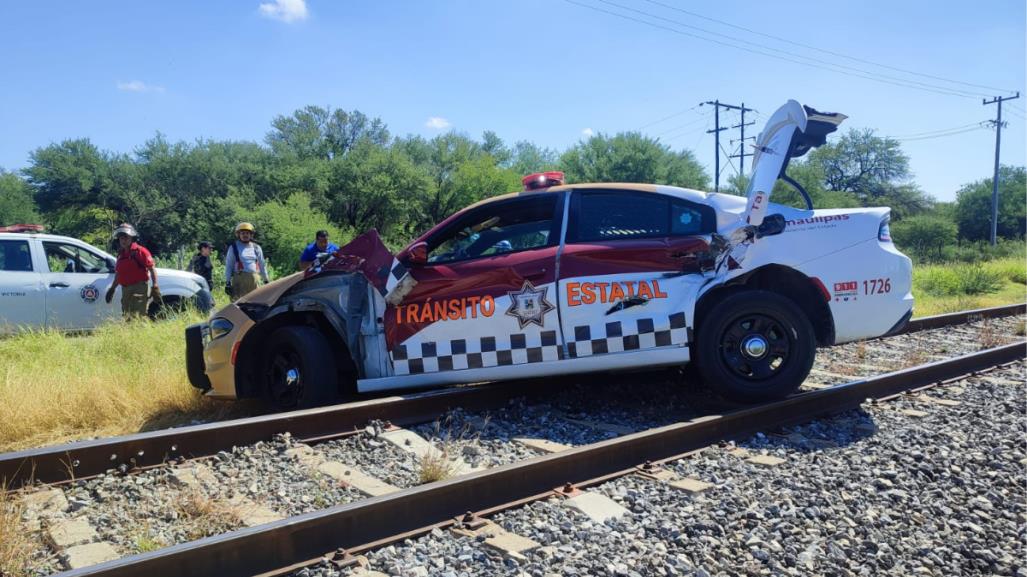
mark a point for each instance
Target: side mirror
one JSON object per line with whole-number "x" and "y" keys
{"x": 111, "y": 264}
{"x": 771, "y": 225}
{"x": 416, "y": 254}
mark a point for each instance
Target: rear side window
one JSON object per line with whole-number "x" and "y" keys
{"x": 15, "y": 256}
{"x": 602, "y": 215}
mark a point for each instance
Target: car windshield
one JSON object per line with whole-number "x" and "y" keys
{"x": 497, "y": 229}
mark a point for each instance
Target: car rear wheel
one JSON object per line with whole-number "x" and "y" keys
{"x": 299, "y": 369}
{"x": 755, "y": 346}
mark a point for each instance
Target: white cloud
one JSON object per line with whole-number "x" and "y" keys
{"x": 587, "y": 132}
{"x": 437, "y": 122}
{"x": 139, "y": 86}
{"x": 285, "y": 10}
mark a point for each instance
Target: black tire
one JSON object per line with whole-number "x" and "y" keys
{"x": 755, "y": 346}
{"x": 307, "y": 352}
{"x": 166, "y": 307}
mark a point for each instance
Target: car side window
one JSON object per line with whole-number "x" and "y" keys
{"x": 63, "y": 257}
{"x": 604, "y": 215}
{"x": 496, "y": 228}
{"x": 15, "y": 256}
{"x": 620, "y": 215}
{"x": 686, "y": 219}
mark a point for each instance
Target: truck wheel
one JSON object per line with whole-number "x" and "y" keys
{"x": 165, "y": 308}
{"x": 299, "y": 369}
{"x": 755, "y": 346}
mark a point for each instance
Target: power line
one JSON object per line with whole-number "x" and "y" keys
{"x": 685, "y": 125}
{"x": 942, "y": 135}
{"x": 824, "y": 50}
{"x": 789, "y": 57}
{"x": 668, "y": 117}
{"x": 929, "y": 132}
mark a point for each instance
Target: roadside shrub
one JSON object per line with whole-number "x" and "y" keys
{"x": 924, "y": 236}
{"x": 970, "y": 279}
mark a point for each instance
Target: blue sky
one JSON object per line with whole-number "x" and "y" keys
{"x": 547, "y": 71}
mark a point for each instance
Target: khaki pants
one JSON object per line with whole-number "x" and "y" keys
{"x": 133, "y": 299}
{"x": 243, "y": 283}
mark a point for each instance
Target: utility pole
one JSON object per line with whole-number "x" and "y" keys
{"x": 998, "y": 145}
{"x": 717, "y": 105}
{"x": 741, "y": 147}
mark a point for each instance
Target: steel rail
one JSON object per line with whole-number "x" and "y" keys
{"x": 84, "y": 459}
{"x": 283, "y": 543}
{"x": 962, "y": 317}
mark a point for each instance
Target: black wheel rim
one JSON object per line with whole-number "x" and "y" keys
{"x": 286, "y": 378}
{"x": 755, "y": 347}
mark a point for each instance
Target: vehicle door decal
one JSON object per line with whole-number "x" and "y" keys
{"x": 456, "y": 354}
{"x": 616, "y": 336}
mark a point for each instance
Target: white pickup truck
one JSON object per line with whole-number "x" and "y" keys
{"x": 59, "y": 282}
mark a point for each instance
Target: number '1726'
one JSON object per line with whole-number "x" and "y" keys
{"x": 877, "y": 286}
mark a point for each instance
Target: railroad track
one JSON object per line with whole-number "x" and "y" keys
{"x": 84, "y": 459}
{"x": 281, "y": 543}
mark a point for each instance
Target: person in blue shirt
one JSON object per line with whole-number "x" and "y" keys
{"x": 320, "y": 245}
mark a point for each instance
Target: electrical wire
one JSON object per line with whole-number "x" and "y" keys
{"x": 929, "y": 132}
{"x": 783, "y": 54}
{"x": 668, "y": 117}
{"x": 824, "y": 50}
{"x": 943, "y": 135}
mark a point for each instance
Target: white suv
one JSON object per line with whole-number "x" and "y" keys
{"x": 59, "y": 282}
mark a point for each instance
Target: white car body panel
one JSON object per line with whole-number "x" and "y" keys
{"x": 70, "y": 300}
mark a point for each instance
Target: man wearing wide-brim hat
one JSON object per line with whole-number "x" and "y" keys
{"x": 244, "y": 263}
{"x": 135, "y": 265}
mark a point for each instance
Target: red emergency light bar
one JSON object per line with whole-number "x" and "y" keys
{"x": 22, "y": 228}
{"x": 542, "y": 180}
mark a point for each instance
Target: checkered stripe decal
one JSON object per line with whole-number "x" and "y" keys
{"x": 456, "y": 354}
{"x": 619, "y": 336}
{"x": 395, "y": 274}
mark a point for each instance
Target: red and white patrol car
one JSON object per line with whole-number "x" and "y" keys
{"x": 578, "y": 278}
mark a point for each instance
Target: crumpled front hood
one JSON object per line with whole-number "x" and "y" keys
{"x": 271, "y": 292}
{"x": 366, "y": 254}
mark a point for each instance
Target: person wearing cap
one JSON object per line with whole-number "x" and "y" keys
{"x": 320, "y": 245}
{"x": 134, "y": 266}
{"x": 201, "y": 265}
{"x": 244, "y": 263}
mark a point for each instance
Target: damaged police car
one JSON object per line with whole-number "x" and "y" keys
{"x": 561, "y": 279}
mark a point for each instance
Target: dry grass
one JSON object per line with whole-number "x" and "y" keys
{"x": 445, "y": 458}
{"x": 1021, "y": 328}
{"x": 15, "y": 543}
{"x": 915, "y": 355}
{"x": 122, "y": 378}
{"x": 202, "y": 516}
{"x": 988, "y": 337}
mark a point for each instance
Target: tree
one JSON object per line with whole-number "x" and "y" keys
{"x": 924, "y": 235}
{"x": 287, "y": 227}
{"x": 16, "y": 204}
{"x": 315, "y": 132}
{"x": 872, "y": 169}
{"x": 973, "y": 206}
{"x": 528, "y": 157}
{"x": 631, "y": 157}
{"x": 375, "y": 187}
{"x": 807, "y": 174}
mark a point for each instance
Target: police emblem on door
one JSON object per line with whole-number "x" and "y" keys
{"x": 529, "y": 305}
{"x": 89, "y": 293}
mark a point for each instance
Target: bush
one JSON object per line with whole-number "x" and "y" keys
{"x": 924, "y": 236}
{"x": 284, "y": 229}
{"x": 970, "y": 279}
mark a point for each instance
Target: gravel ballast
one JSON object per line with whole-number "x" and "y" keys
{"x": 149, "y": 510}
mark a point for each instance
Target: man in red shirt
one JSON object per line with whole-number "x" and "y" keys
{"x": 134, "y": 265}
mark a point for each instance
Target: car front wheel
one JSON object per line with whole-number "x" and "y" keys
{"x": 755, "y": 346}
{"x": 299, "y": 369}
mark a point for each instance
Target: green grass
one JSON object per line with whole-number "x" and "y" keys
{"x": 121, "y": 378}
{"x": 945, "y": 288}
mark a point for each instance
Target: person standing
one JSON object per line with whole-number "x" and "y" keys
{"x": 135, "y": 264}
{"x": 244, "y": 263}
{"x": 201, "y": 263}
{"x": 320, "y": 245}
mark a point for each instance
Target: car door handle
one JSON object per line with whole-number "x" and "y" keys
{"x": 59, "y": 285}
